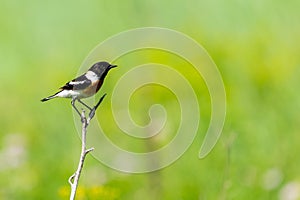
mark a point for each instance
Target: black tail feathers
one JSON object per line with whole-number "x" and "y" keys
{"x": 48, "y": 98}
{"x": 45, "y": 99}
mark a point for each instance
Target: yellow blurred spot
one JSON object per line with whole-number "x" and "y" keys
{"x": 81, "y": 193}
{"x": 94, "y": 192}
{"x": 103, "y": 192}
{"x": 64, "y": 192}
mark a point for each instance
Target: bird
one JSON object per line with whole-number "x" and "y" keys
{"x": 85, "y": 85}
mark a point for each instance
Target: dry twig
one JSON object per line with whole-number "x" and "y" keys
{"x": 74, "y": 179}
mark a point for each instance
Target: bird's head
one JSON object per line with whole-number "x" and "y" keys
{"x": 101, "y": 68}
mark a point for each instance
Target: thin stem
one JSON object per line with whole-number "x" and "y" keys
{"x": 74, "y": 179}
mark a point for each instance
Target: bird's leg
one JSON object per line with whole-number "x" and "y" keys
{"x": 100, "y": 100}
{"x": 84, "y": 104}
{"x": 92, "y": 113}
{"x": 73, "y": 105}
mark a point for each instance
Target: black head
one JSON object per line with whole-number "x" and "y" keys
{"x": 101, "y": 68}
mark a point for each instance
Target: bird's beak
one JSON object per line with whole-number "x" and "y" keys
{"x": 112, "y": 66}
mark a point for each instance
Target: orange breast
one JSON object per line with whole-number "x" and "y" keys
{"x": 92, "y": 89}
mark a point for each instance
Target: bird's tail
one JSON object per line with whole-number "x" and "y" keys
{"x": 48, "y": 98}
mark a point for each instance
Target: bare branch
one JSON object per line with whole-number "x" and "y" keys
{"x": 74, "y": 179}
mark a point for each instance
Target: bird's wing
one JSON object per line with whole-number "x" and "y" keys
{"x": 78, "y": 83}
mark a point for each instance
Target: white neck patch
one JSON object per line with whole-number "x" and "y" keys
{"x": 92, "y": 76}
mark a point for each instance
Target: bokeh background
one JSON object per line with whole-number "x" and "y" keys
{"x": 256, "y": 47}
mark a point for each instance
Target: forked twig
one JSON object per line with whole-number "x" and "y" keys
{"x": 74, "y": 179}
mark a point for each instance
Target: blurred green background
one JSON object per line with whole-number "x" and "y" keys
{"x": 255, "y": 46}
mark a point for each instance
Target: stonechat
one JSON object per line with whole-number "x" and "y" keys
{"x": 85, "y": 85}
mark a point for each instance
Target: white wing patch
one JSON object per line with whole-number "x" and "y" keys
{"x": 76, "y": 82}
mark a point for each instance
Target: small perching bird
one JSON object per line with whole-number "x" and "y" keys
{"x": 85, "y": 85}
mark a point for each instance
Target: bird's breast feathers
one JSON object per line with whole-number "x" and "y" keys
{"x": 93, "y": 88}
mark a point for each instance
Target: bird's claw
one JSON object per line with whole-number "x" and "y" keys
{"x": 92, "y": 113}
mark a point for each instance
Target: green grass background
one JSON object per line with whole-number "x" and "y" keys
{"x": 256, "y": 47}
